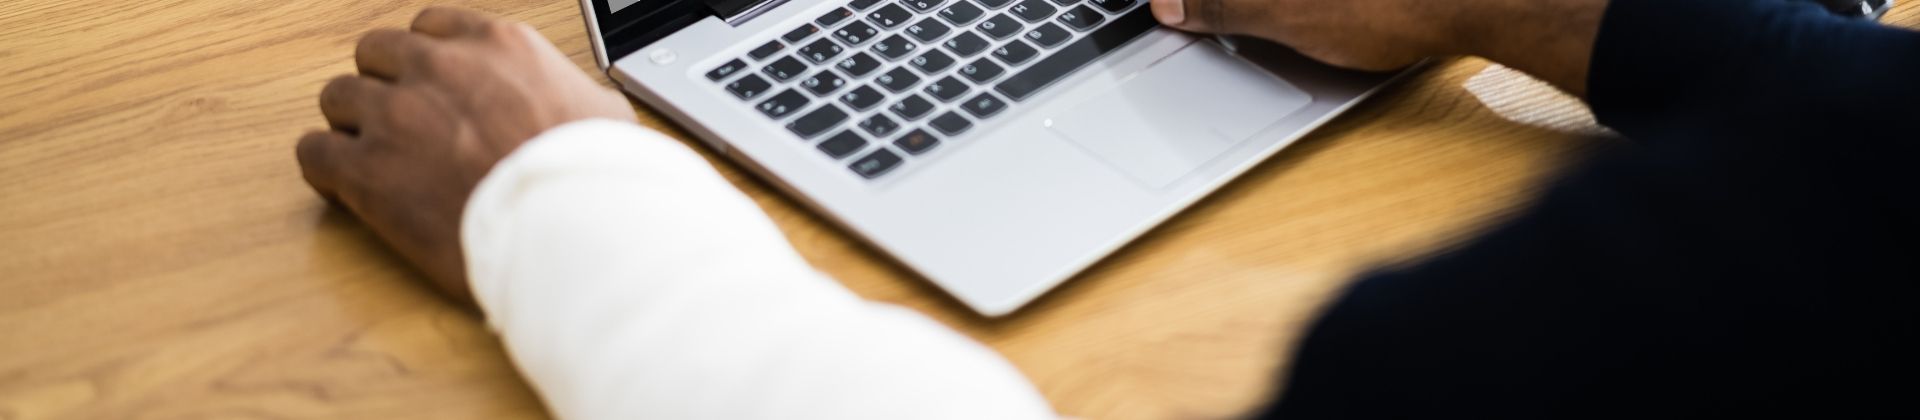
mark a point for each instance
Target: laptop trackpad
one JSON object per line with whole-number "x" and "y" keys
{"x": 1179, "y": 114}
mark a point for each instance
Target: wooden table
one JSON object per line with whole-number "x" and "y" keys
{"x": 160, "y": 256}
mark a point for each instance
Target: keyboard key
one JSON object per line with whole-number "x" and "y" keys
{"x": 922, "y": 5}
{"x": 785, "y": 103}
{"x": 821, "y": 50}
{"x": 819, "y": 121}
{"x": 726, "y": 70}
{"x": 749, "y": 87}
{"x": 917, "y": 142}
{"x": 800, "y": 33}
{"x": 1064, "y": 3}
{"x": 951, "y": 124}
{"x": 928, "y": 30}
{"x": 1033, "y": 10}
{"x": 766, "y": 50}
{"x": 1082, "y": 18}
{"x": 966, "y": 44}
{"x": 876, "y": 164}
{"x": 1072, "y": 57}
{"x": 834, "y": 17}
{"x": 983, "y": 105}
{"x": 862, "y": 98}
{"x": 897, "y": 80}
{"x": 895, "y": 47}
{"x": 863, "y": 4}
{"x": 981, "y": 70}
{"x": 784, "y": 69}
{"x": 842, "y": 145}
{"x": 1001, "y": 26}
{"x": 911, "y": 108}
{"x": 1049, "y": 35}
{"x": 961, "y": 13}
{"x": 859, "y": 64}
{"x": 947, "y": 89}
{"x": 890, "y": 16}
{"x": 1114, "y": 6}
{"x": 856, "y": 33}
{"x": 823, "y": 83}
{"x": 932, "y": 62}
{"x": 994, "y": 4}
{"x": 1014, "y": 53}
{"x": 879, "y": 125}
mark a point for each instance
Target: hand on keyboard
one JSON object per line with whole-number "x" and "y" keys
{"x": 1360, "y": 34}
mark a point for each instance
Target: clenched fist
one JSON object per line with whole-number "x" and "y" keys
{"x": 430, "y": 113}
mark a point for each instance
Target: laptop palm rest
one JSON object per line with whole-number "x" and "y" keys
{"x": 1179, "y": 114}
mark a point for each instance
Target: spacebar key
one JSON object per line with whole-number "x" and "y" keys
{"x": 1076, "y": 55}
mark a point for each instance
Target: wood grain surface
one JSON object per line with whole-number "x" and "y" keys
{"x": 160, "y": 257}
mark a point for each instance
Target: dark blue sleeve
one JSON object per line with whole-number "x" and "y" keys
{"x": 1744, "y": 66}
{"x": 1751, "y": 253}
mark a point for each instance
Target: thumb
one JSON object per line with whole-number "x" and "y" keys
{"x": 1190, "y": 15}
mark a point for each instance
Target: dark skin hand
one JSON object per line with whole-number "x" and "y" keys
{"x": 1550, "y": 39}
{"x": 432, "y": 110}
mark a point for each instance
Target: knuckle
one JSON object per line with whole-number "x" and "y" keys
{"x": 372, "y": 39}
{"x": 311, "y": 151}
{"x": 308, "y": 142}
{"x": 395, "y": 111}
{"x": 365, "y": 42}
{"x": 431, "y": 59}
{"x": 444, "y": 18}
{"x": 363, "y": 48}
{"x": 337, "y": 90}
{"x": 429, "y": 13}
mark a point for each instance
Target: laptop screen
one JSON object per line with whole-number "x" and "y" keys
{"x": 619, "y": 5}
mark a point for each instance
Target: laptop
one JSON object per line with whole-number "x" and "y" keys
{"x": 996, "y": 147}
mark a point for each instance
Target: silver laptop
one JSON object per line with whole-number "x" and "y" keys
{"x": 997, "y": 147}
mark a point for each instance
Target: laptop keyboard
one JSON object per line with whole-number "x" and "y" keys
{"x": 876, "y": 84}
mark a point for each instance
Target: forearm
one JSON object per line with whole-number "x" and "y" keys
{"x": 630, "y": 281}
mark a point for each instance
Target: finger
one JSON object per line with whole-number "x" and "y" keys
{"x": 322, "y": 156}
{"x": 449, "y": 22}
{"x": 1191, "y": 15}
{"x": 383, "y": 53}
{"x": 1170, "y": 12}
{"x": 346, "y": 100}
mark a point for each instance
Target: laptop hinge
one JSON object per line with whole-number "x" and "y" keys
{"x": 735, "y": 12}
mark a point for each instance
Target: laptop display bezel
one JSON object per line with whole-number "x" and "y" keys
{"x": 642, "y": 23}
